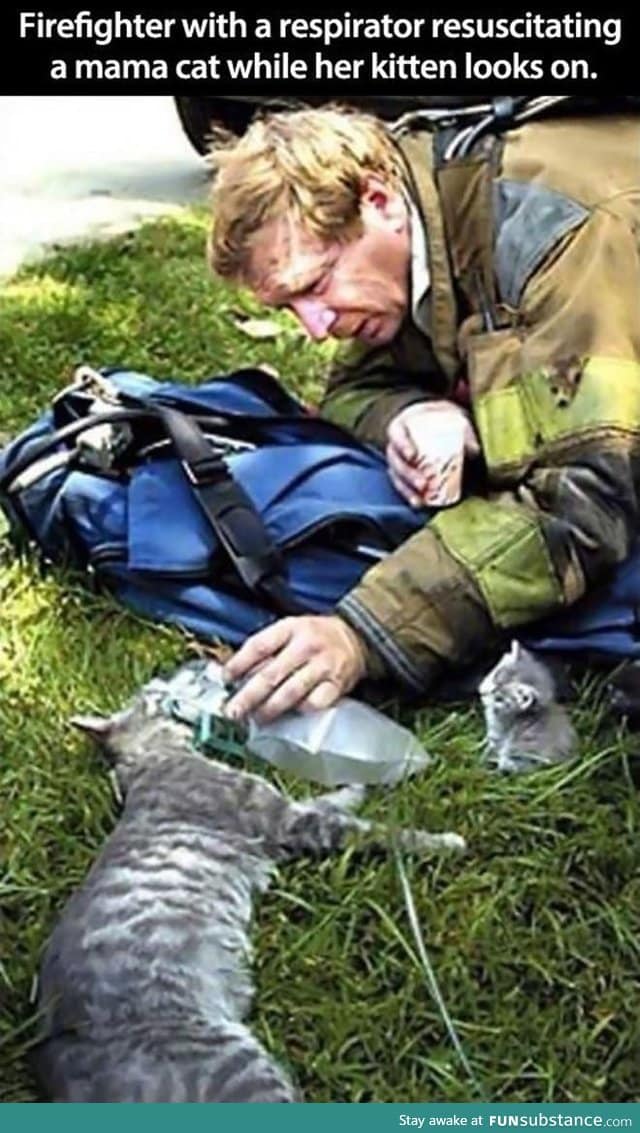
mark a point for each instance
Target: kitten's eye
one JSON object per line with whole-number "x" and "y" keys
{"x": 524, "y": 696}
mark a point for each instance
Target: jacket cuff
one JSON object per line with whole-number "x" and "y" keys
{"x": 373, "y": 423}
{"x": 384, "y": 657}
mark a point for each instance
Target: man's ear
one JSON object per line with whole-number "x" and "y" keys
{"x": 382, "y": 204}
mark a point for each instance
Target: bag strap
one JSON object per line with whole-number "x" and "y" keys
{"x": 507, "y": 112}
{"x": 230, "y": 512}
{"x": 226, "y": 505}
{"x": 24, "y": 461}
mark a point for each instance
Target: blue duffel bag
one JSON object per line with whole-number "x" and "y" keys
{"x": 223, "y": 506}
{"x": 218, "y": 507}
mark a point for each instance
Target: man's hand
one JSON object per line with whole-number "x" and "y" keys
{"x": 303, "y": 662}
{"x": 426, "y": 446}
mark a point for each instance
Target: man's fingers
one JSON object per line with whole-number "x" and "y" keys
{"x": 282, "y": 681}
{"x": 404, "y": 489}
{"x": 293, "y": 692}
{"x": 283, "y": 664}
{"x": 323, "y": 695}
{"x": 412, "y": 476}
{"x": 418, "y": 486}
{"x": 259, "y": 648}
{"x": 261, "y": 685}
{"x": 400, "y": 438}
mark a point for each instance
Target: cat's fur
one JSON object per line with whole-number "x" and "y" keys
{"x": 526, "y": 727}
{"x": 145, "y": 982}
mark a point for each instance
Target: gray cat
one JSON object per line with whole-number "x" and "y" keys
{"x": 145, "y": 981}
{"x": 526, "y": 727}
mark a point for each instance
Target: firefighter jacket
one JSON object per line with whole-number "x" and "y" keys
{"x": 534, "y": 253}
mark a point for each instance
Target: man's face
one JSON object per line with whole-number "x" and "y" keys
{"x": 359, "y": 289}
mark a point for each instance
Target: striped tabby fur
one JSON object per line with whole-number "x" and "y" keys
{"x": 145, "y": 983}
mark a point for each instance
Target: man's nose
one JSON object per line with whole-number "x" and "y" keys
{"x": 315, "y": 316}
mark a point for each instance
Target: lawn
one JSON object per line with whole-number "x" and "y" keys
{"x": 534, "y": 935}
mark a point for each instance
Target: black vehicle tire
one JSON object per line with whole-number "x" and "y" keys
{"x": 199, "y": 115}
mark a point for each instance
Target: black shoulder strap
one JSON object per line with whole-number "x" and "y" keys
{"x": 507, "y": 111}
{"x": 231, "y": 513}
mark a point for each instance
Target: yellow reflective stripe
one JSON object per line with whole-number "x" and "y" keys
{"x": 515, "y": 423}
{"x": 503, "y": 427}
{"x": 504, "y": 550}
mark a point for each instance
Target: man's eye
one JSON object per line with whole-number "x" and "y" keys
{"x": 320, "y": 285}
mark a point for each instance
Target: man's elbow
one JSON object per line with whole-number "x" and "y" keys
{"x": 592, "y": 504}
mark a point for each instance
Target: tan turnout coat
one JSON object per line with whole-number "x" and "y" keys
{"x": 534, "y": 253}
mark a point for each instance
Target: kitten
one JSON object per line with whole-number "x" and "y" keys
{"x": 145, "y": 981}
{"x": 526, "y": 727}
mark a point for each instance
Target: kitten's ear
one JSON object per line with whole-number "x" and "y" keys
{"x": 515, "y": 650}
{"x": 98, "y": 727}
{"x": 524, "y": 695}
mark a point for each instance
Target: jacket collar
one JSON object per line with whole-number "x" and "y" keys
{"x": 443, "y": 317}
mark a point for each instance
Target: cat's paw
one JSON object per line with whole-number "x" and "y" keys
{"x": 421, "y": 840}
{"x": 345, "y": 798}
{"x": 521, "y": 763}
{"x": 488, "y": 754}
{"x": 354, "y": 796}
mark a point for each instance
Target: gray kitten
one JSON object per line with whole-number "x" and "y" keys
{"x": 145, "y": 981}
{"x": 526, "y": 727}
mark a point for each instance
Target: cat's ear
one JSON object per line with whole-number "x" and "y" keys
{"x": 525, "y": 696}
{"x": 514, "y": 654}
{"x": 98, "y": 727}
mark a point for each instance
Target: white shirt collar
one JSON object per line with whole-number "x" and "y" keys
{"x": 420, "y": 274}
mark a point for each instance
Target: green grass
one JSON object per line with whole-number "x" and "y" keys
{"x": 534, "y": 936}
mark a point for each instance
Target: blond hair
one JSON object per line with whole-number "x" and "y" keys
{"x": 306, "y": 164}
